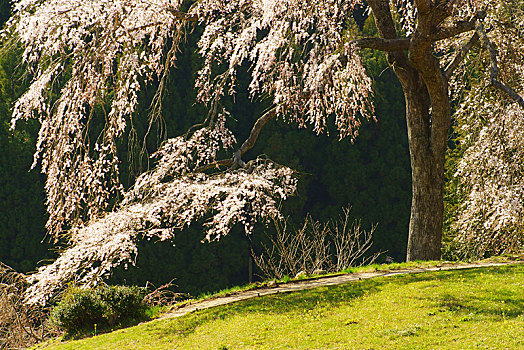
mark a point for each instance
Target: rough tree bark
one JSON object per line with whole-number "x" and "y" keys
{"x": 428, "y": 117}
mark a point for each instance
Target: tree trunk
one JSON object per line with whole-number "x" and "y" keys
{"x": 428, "y": 116}
{"x": 427, "y": 212}
{"x": 428, "y": 130}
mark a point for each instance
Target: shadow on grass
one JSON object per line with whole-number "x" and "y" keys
{"x": 494, "y": 307}
{"x": 491, "y": 301}
{"x": 334, "y": 296}
{"x": 276, "y": 304}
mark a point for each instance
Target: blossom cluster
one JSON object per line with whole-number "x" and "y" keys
{"x": 88, "y": 51}
{"x": 490, "y": 219}
{"x": 299, "y": 55}
{"x": 489, "y": 125}
{"x": 242, "y": 197}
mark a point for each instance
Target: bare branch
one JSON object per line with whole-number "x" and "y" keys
{"x": 461, "y": 54}
{"x": 383, "y": 44}
{"x": 333, "y": 246}
{"x": 246, "y": 146}
{"x": 255, "y": 131}
{"x": 493, "y": 77}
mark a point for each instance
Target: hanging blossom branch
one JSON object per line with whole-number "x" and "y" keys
{"x": 488, "y": 220}
{"x": 112, "y": 49}
{"x": 164, "y": 201}
{"x": 486, "y": 43}
{"x": 307, "y": 77}
{"x": 460, "y": 56}
{"x": 490, "y": 174}
{"x": 156, "y": 211}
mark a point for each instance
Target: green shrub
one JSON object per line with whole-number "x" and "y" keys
{"x": 78, "y": 311}
{"x": 125, "y": 304}
{"x": 83, "y": 311}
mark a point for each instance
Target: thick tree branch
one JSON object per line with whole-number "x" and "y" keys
{"x": 383, "y": 19}
{"x": 383, "y": 44}
{"x": 459, "y": 27}
{"x": 387, "y": 30}
{"x": 255, "y": 131}
{"x": 461, "y": 54}
{"x": 494, "y": 71}
{"x": 236, "y": 160}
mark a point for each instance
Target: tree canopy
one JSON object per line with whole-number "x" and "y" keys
{"x": 90, "y": 60}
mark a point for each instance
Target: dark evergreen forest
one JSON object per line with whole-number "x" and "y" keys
{"x": 372, "y": 176}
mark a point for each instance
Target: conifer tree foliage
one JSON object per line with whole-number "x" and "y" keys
{"x": 302, "y": 59}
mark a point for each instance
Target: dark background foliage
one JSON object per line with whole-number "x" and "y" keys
{"x": 372, "y": 176}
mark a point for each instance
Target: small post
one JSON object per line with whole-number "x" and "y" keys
{"x": 250, "y": 267}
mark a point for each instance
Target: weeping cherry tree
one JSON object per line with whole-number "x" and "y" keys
{"x": 302, "y": 58}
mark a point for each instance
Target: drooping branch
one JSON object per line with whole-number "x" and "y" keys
{"x": 249, "y": 143}
{"x": 494, "y": 71}
{"x": 383, "y": 44}
{"x": 461, "y": 54}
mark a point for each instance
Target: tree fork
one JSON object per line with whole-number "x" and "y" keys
{"x": 249, "y": 143}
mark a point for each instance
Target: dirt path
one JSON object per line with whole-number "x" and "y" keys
{"x": 319, "y": 282}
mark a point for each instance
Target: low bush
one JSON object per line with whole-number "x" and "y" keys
{"x": 82, "y": 311}
{"x": 124, "y": 304}
{"x": 328, "y": 247}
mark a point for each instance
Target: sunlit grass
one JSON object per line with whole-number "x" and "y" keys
{"x": 356, "y": 269}
{"x": 463, "y": 309}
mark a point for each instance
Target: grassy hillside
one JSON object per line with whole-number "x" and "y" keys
{"x": 464, "y": 309}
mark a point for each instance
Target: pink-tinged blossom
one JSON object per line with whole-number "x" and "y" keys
{"x": 303, "y": 59}
{"x": 108, "y": 47}
{"x": 157, "y": 211}
{"x": 300, "y": 56}
{"x": 489, "y": 219}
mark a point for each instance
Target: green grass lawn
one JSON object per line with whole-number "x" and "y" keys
{"x": 480, "y": 308}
